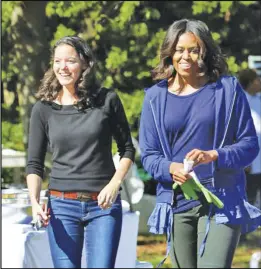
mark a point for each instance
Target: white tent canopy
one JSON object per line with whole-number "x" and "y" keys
{"x": 13, "y": 158}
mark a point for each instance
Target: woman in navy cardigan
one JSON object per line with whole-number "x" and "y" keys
{"x": 199, "y": 113}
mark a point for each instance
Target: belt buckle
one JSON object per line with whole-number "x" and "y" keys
{"x": 83, "y": 197}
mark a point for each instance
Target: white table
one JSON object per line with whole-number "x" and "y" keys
{"x": 23, "y": 247}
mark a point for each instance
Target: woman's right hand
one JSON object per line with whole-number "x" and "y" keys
{"x": 40, "y": 211}
{"x": 178, "y": 173}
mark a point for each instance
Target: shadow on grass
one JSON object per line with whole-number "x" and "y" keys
{"x": 151, "y": 239}
{"x": 152, "y": 248}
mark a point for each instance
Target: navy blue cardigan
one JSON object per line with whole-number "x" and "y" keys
{"x": 235, "y": 140}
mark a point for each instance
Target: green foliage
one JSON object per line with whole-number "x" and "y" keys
{"x": 116, "y": 58}
{"x": 140, "y": 29}
{"x": 11, "y": 10}
{"x": 151, "y": 13}
{"x": 225, "y": 6}
{"x": 247, "y": 3}
{"x": 125, "y": 37}
{"x": 126, "y": 12}
{"x": 12, "y": 136}
{"x": 62, "y": 31}
{"x": 132, "y": 105}
{"x": 216, "y": 36}
{"x": 234, "y": 67}
{"x": 218, "y": 8}
{"x": 66, "y": 9}
{"x": 203, "y": 6}
{"x": 8, "y": 8}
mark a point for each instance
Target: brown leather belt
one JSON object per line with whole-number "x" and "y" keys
{"x": 82, "y": 196}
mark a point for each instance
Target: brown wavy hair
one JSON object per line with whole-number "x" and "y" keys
{"x": 211, "y": 60}
{"x": 87, "y": 84}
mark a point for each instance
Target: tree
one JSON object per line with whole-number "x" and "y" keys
{"x": 125, "y": 37}
{"x": 25, "y": 51}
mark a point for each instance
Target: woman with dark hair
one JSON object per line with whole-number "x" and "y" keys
{"x": 198, "y": 113}
{"x": 87, "y": 84}
{"x": 77, "y": 119}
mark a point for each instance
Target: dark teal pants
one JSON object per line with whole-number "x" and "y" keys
{"x": 188, "y": 233}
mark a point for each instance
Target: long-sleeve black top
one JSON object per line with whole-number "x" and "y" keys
{"x": 80, "y": 142}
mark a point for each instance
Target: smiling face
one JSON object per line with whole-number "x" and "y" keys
{"x": 186, "y": 55}
{"x": 67, "y": 65}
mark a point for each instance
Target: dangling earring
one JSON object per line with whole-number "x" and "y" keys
{"x": 171, "y": 71}
{"x": 171, "y": 68}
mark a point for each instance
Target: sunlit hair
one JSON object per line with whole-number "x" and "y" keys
{"x": 211, "y": 60}
{"x": 86, "y": 86}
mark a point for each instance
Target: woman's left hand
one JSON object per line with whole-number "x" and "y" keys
{"x": 202, "y": 156}
{"x": 181, "y": 176}
{"x": 108, "y": 195}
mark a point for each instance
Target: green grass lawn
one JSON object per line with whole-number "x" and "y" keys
{"x": 152, "y": 248}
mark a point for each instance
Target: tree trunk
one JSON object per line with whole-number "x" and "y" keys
{"x": 32, "y": 54}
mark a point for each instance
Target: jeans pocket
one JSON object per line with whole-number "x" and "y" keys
{"x": 94, "y": 210}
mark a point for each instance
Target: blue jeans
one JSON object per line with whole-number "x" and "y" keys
{"x": 74, "y": 222}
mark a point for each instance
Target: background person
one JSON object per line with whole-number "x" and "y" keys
{"x": 198, "y": 112}
{"x": 77, "y": 119}
{"x": 251, "y": 83}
